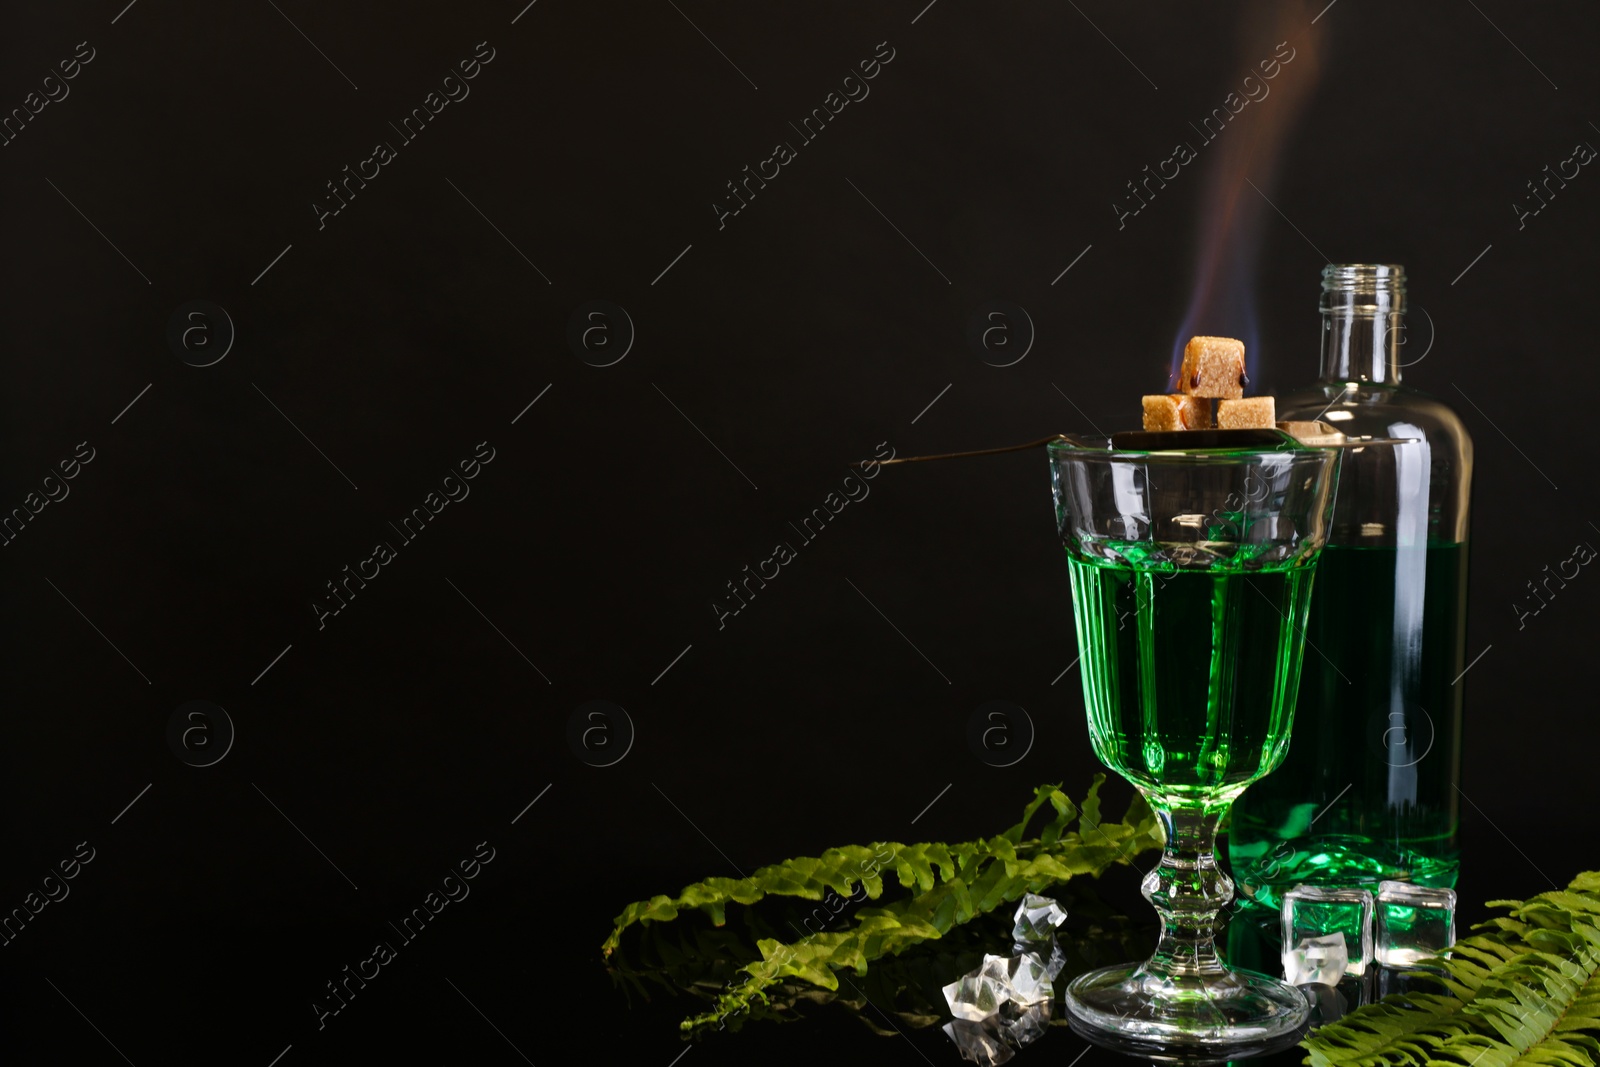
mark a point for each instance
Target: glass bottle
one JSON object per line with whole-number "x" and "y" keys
{"x": 1368, "y": 791}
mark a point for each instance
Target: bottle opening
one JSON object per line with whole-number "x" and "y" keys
{"x": 1363, "y": 288}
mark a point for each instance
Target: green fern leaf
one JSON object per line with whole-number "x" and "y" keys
{"x": 948, "y": 886}
{"x": 1526, "y": 994}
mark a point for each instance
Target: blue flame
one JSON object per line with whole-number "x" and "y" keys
{"x": 1223, "y": 303}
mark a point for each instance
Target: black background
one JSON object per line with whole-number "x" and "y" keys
{"x": 410, "y": 327}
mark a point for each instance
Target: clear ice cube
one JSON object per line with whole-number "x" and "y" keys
{"x": 1053, "y": 964}
{"x": 1020, "y": 980}
{"x": 1414, "y": 923}
{"x": 1316, "y": 961}
{"x": 1037, "y": 918}
{"x": 974, "y": 997}
{"x": 1022, "y": 977}
{"x": 1312, "y": 911}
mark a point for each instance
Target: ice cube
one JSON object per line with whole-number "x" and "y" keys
{"x": 1316, "y": 961}
{"x": 1414, "y": 923}
{"x": 1037, "y": 918}
{"x": 1314, "y": 911}
{"x": 1021, "y": 977}
{"x": 974, "y": 997}
{"x": 1020, "y": 980}
{"x": 1053, "y": 964}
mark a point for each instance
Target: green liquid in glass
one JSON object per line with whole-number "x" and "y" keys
{"x": 1377, "y": 713}
{"x": 1189, "y": 674}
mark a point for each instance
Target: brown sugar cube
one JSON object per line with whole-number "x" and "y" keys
{"x": 1169, "y": 411}
{"x": 1312, "y": 432}
{"x": 1254, "y": 413}
{"x": 1213, "y": 367}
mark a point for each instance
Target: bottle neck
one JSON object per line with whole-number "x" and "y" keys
{"x": 1361, "y": 346}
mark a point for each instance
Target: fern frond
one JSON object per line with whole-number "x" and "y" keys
{"x": 949, "y": 885}
{"x": 1526, "y": 993}
{"x": 916, "y": 866}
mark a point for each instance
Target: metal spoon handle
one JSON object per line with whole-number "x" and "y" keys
{"x": 959, "y": 455}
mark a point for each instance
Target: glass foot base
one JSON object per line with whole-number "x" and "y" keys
{"x": 1232, "y": 1015}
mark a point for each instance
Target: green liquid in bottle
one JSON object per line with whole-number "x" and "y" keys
{"x": 1189, "y": 674}
{"x": 1368, "y": 790}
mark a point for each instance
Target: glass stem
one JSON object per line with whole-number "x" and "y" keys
{"x": 1187, "y": 889}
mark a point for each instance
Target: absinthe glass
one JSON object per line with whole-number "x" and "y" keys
{"x": 1191, "y": 573}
